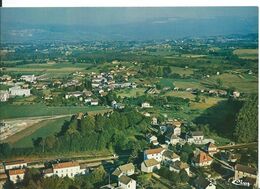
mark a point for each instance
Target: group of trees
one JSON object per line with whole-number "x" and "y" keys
{"x": 113, "y": 131}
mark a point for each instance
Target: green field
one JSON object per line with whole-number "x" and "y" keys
{"x": 8, "y": 111}
{"x": 42, "y": 129}
{"x": 130, "y": 92}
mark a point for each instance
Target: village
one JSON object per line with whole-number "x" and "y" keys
{"x": 159, "y": 156}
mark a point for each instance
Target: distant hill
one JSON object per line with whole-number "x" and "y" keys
{"x": 148, "y": 30}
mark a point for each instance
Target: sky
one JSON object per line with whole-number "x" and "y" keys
{"x": 23, "y": 24}
{"x": 113, "y": 16}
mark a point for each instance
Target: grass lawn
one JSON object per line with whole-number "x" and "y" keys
{"x": 42, "y": 129}
{"x": 188, "y": 84}
{"x": 8, "y": 111}
{"x": 209, "y": 102}
{"x": 131, "y": 92}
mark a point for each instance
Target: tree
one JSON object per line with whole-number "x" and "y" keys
{"x": 184, "y": 156}
{"x": 197, "y": 98}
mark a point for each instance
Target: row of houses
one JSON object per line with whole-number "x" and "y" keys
{"x": 15, "y": 170}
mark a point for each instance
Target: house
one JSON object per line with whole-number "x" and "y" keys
{"x": 197, "y": 137}
{"x": 171, "y": 138}
{"x": 94, "y": 102}
{"x": 246, "y": 173}
{"x": 87, "y": 93}
{"x": 203, "y": 183}
{"x": 177, "y": 166}
{"x": 202, "y": 159}
{"x": 127, "y": 170}
{"x": 152, "y": 139}
{"x": 169, "y": 157}
{"x": 69, "y": 169}
{"x": 28, "y": 78}
{"x": 211, "y": 148}
{"x": 3, "y": 179}
{"x": 154, "y": 121}
{"x": 126, "y": 182}
{"x": 16, "y": 175}
{"x": 154, "y": 154}
{"x": 150, "y": 165}
{"x": 18, "y": 164}
{"x": 47, "y": 172}
{"x": 75, "y": 94}
{"x": 18, "y": 91}
{"x": 4, "y": 96}
{"x": 146, "y": 105}
{"x": 236, "y": 94}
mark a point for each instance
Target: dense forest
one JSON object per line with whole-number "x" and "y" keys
{"x": 247, "y": 121}
{"x": 117, "y": 131}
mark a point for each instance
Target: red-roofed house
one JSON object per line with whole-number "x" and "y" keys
{"x": 154, "y": 154}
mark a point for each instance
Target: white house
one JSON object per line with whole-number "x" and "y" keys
{"x": 28, "y": 78}
{"x": 4, "y": 96}
{"x": 18, "y": 91}
{"x": 203, "y": 183}
{"x": 127, "y": 170}
{"x": 177, "y": 166}
{"x": 154, "y": 154}
{"x": 16, "y": 175}
{"x": 69, "y": 169}
{"x": 211, "y": 148}
{"x": 169, "y": 157}
{"x": 197, "y": 137}
{"x": 171, "y": 138}
{"x": 126, "y": 182}
{"x": 152, "y": 139}
{"x": 15, "y": 164}
{"x": 146, "y": 105}
{"x": 150, "y": 165}
{"x": 94, "y": 102}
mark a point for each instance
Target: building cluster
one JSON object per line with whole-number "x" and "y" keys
{"x": 15, "y": 171}
{"x": 16, "y": 87}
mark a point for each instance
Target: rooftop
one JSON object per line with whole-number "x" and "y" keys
{"x": 16, "y": 171}
{"x": 124, "y": 179}
{"x": 65, "y": 165}
{"x": 246, "y": 169}
{"x": 151, "y": 162}
{"x": 154, "y": 151}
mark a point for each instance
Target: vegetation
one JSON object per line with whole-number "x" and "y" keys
{"x": 247, "y": 121}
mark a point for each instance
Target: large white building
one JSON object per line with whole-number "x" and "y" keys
{"x": 154, "y": 154}
{"x": 69, "y": 169}
{"x": 28, "y": 78}
{"x": 15, "y": 164}
{"x": 18, "y": 91}
{"x": 16, "y": 175}
{"x": 4, "y": 96}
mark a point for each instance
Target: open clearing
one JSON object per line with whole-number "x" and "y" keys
{"x": 41, "y": 129}
{"x": 29, "y": 126}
